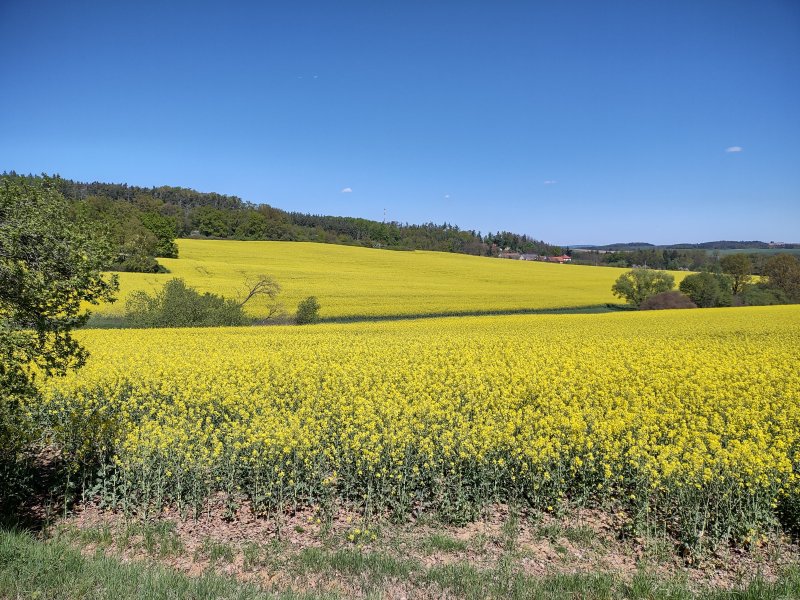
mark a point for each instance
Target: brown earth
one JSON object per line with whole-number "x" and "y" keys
{"x": 278, "y": 552}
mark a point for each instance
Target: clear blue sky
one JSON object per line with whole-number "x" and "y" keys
{"x": 575, "y": 122}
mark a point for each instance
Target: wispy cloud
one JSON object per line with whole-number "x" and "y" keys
{"x": 347, "y": 190}
{"x": 734, "y": 149}
{"x": 550, "y": 182}
{"x": 447, "y": 196}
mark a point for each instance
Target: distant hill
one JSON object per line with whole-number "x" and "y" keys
{"x": 717, "y": 245}
{"x": 352, "y": 282}
{"x": 618, "y": 246}
{"x": 191, "y": 213}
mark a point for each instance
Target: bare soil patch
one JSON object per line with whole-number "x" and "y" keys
{"x": 344, "y": 555}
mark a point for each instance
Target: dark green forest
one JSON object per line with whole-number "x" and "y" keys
{"x": 144, "y": 223}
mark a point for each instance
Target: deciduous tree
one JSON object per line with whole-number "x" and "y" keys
{"x": 50, "y": 266}
{"x": 639, "y": 284}
{"x": 740, "y": 268}
{"x": 783, "y": 273}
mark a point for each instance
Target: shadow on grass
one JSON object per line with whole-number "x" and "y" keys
{"x": 106, "y": 322}
{"x": 572, "y": 310}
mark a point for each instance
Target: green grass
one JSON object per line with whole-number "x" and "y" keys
{"x": 30, "y": 568}
{"x": 52, "y": 571}
{"x": 465, "y": 581}
{"x": 580, "y": 535}
{"x": 217, "y": 552}
{"x": 376, "y": 566}
{"x": 440, "y": 542}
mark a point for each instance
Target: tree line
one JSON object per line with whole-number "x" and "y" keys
{"x": 731, "y": 283}
{"x": 144, "y": 223}
{"x": 670, "y": 259}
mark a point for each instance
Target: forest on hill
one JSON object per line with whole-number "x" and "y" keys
{"x": 144, "y": 222}
{"x": 715, "y": 245}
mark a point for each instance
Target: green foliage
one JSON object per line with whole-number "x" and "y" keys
{"x": 761, "y": 295}
{"x": 783, "y": 274}
{"x": 138, "y": 236}
{"x": 165, "y": 230}
{"x": 178, "y": 305}
{"x": 665, "y": 300}
{"x": 140, "y": 226}
{"x": 639, "y": 284}
{"x": 740, "y": 268}
{"x": 49, "y": 267}
{"x": 53, "y": 570}
{"x": 708, "y": 290}
{"x": 307, "y": 311}
{"x": 137, "y": 211}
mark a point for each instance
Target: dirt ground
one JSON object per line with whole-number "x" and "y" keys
{"x": 307, "y": 551}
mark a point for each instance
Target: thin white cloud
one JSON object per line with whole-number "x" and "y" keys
{"x": 550, "y": 182}
{"x": 347, "y": 190}
{"x": 447, "y": 196}
{"x": 734, "y": 149}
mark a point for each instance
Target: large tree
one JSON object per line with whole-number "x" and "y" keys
{"x": 637, "y": 285}
{"x": 50, "y": 267}
{"x": 783, "y": 273}
{"x": 740, "y": 268}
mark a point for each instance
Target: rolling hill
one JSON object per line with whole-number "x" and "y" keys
{"x": 353, "y": 282}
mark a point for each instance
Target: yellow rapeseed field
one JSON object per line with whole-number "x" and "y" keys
{"x": 350, "y": 281}
{"x": 690, "y": 418}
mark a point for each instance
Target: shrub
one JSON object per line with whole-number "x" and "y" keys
{"x": 761, "y": 295}
{"x": 139, "y": 263}
{"x": 708, "y": 290}
{"x": 178, "y": 305}
{"x": 307, "y": 311}
{"x": 664, "y": 300}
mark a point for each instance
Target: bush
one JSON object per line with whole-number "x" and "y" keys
{"x": 178, "y": 305}
{"x": 139, "y": 263}
{"x": 665, "y": 300}
{"x": 761, "y": 295}
{"x": 708, "y": 290}
{"x": 308, "y": 311}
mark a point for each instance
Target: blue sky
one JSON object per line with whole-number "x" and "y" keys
{"x": 574, "y": 122}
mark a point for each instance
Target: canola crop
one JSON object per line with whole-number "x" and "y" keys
{"x": 351, "y": 281}
{"x": 687, "y": 418}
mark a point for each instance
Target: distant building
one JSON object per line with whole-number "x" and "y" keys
{"x": 512, "y": 255}
{"x": 564, "y": 258}
{"x": 530, "y": 257}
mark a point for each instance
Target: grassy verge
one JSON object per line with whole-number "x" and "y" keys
{"x": 30, "y": 568}
{"x": 55, "y": 569}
